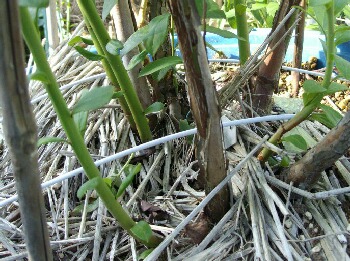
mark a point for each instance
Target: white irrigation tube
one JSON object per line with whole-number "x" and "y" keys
{"x": 150, "y": 144}
{"x": 286, "y": 68}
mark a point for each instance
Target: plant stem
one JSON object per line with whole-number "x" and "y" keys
{"x": 242, "y": 30}
{"x": 330, "y": 45}
{"x": 76, "y": 140}
{"x": 112, "y": 78}
{"x": 90, "y": 14}
{"x": 307, "y": 110}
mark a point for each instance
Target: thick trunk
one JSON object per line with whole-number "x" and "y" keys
{"x": 307, "y": 171}
{"x": 204, "y": 104}
{"x": 269, "y": 69}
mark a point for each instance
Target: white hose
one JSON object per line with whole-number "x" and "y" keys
{"x": 150, "y": 144}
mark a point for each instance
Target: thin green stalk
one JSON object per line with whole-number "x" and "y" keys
{"x": 90, "y": 14}
{"x": 242, "y": 30}
{"x": 307, "y": 110}
{"x": 76, "y": 140}
{"x": 112, "y": 78}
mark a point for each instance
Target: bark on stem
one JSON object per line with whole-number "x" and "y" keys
{"x": 21, "y": 133}
{"x": 268, "y": 74}
{"x": 307, "y": 171}
{"x": 204, "y": 104}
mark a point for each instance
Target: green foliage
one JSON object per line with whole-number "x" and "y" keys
{"x": 311, "y": 86}
{"x": 142, "y": 230}
{"x": 34, "y": 3}
{"x": 220, "y": 32}
{"x": 339, "y": 6}
{"x": 87, "y": 54}
{"x": 285, "y": 161}
{"x": 145, "y": 253}
{"x": 342, "y": 34}
{"x": 213, "y": 9}
{"x": 89, "y": 208}
{"x": 78, "y": 39}
{"x": 154, "y": 108}
{"x": 184, "y": 126}
{"x": 329, "y": 117}
{"x": 151, "y": 35}
{"x": 80, "y": 119}
{"x": 107, "y": 7}
{"x": 94, "y": 99}
{"x": 160, "y": 64}
{"x": 49, "y": 139}
{"x": 297, "y": 140}
{"x": 137, "y": 59}
{"x": 131, "y": 171}
{"x": 114, "y": 46}
{"x": 343, "y": 66}
{"x": 314, "y": 3}
{"x": 89, "y": 185}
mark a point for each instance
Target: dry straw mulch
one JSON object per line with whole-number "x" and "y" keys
{"x": 268, "y": 220}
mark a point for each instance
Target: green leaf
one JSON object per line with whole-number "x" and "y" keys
{"x": 39, "y": 76}
{"x": 312, "y": 98}
{"x": 184, "y": 126}
{"x": 108, "y": 181}
{"x": 311, "y": 86}
{"x": 87, "y": 54}
{"x": 117, "y": 94}
{"x": 318, "y": 2}
{"x": 336, "y": 87}
{"x": 114, "y": 46}
{"x": 145, "y": 253}
{"x": 342, "y": 36}
{"x": 154, "y": 107}
{"x": 131, "y": 170}
{"x": 271, "y": 8}
{"x": 161, "y": 73}
{"x": 213, "y": 10}
{"x": 339, "y": 5}
{"x": 158, "y": 30}
{"x": 222, "y": 33}
{"x": 322, "y": 118}
{"x": 258, "y": 6}
{"x": 94, "y": 99}
{"x": 272, "y": 161}
{"x": 343, "y": 66}
{"x": 107, "y": 7}
{"x": 80, "y": 119}
{"x": 34, "y": 3}
{"x": 297, "y": 140}
{"x": 137, "y": 59}
{"x": 332, "y": 115}
{"x": 48, "y": 139}
{"x": 142, "y": 230}
{"x": 89, "y": 185}
{"x": 285, "y": 162}
{"x": 135, "y": 39}
{"x": 89, "y": 208}
{"x": 160, "y": 64}
{"x": 79, "y": 39}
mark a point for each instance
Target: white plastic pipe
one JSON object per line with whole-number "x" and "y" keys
{"x": 150, "y": 144}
